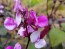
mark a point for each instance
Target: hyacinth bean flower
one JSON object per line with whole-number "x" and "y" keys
{"x": 40, "y": 21}
{"x": 35, "y": 38}
{"x": 9, "y": 47}
{"x": 29, "y": 26}
{"x": 17, "y": 46}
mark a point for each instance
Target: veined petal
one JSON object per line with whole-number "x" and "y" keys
{"x": 41, "y": 43}
{"x": 9, "y": 47}
{"x": 9, "y": 23}
{"x": 42, "y": 21}
{"x": 18, "y": 19}
{"x": 17, "y": 46}
{"x": 34, "y": 36}
{"x": 21, "y": 32}
{"x": 30, "y": 29}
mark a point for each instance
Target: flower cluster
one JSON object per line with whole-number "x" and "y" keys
{"x": 28, "y": 23}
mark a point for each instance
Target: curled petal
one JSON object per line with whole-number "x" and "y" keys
{"x": 9, "y": 47}
{"x": 17, "y": 46}
{"x": 42, "y": 21}
{"x": 18, "y": 19}
{"x": 21, "y": 32}
{"x": 34, "y": 36}
{"x": 41, "y": 43}
{"x": 9, "y": 23}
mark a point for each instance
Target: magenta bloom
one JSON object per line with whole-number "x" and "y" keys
{"x": 9, "y": 47}
{"x": 42, "y": 21}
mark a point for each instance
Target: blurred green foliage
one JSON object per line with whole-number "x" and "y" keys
{"x": 56, "y": 36}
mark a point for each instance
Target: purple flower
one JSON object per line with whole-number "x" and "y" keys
{"x": 40, "y": 21}
{"x": 17, "y": 46}
{"x": 35, "y": 38}
{"x": 9, "y": 47}
{"x": 10, "y": 23}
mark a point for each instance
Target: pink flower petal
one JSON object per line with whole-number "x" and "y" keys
{"x": 30, "y": 29}
{"x": 33, "y": 14}
{"x": 9, "y": 23}
{"x": 32, "y": 18}
{"x": 42, "y": 21}
{"x": 21, "y": 32}
{"x": 41, "y": 43}
{"x": 9, "y": 47}
{"x": 34, "y": 36}
{"x": 18, "y": 19}
{"x": 17, "y": 46}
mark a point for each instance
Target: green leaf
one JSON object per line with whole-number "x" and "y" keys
{"x": 3, "y": 30}
{"x": 56, "y": 37}
{"x": 31, "y": 46}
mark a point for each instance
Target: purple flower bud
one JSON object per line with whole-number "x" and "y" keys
{"x": 9, "y": 47}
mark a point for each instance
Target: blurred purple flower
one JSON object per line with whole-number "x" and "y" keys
{"x": 17, "y": 46}
{"x": 9, "y": 47}
{"x": 1, "y": 8}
